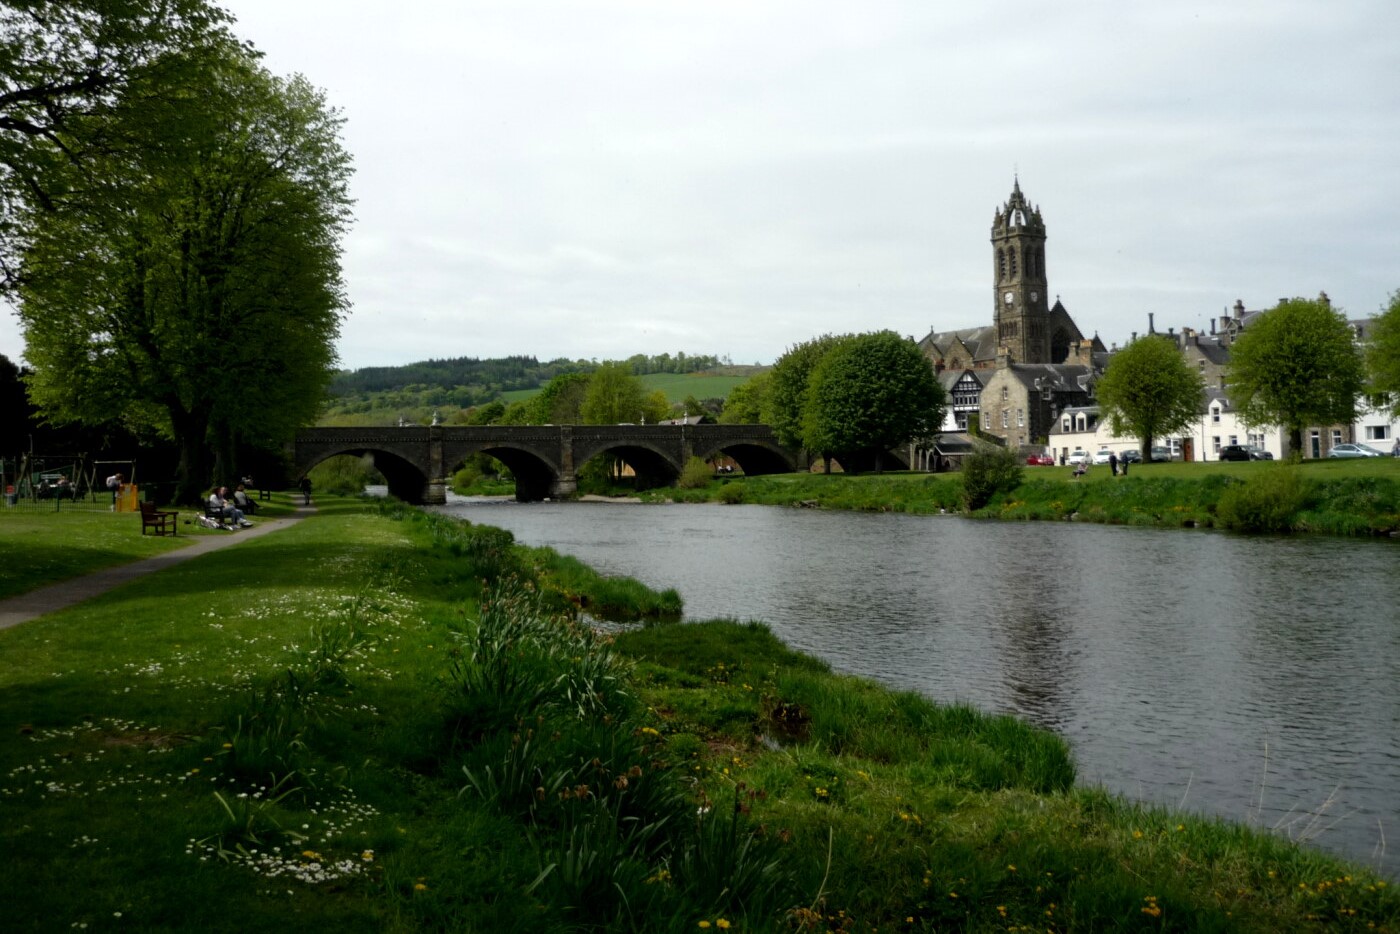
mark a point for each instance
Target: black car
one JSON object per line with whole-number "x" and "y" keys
{"x": 1235, "y": 452}
{"x": 1130, "y": 456}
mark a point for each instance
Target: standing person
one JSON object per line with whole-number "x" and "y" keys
{"x": 306, "y": 491}
{"x": 1395, "y": 451}
{"x": 114, "y": 483}
{"x": 1113, "y": 463}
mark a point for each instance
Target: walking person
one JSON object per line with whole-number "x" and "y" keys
{"x": 1113, "y": 463}
{"x": 305, "y": 491}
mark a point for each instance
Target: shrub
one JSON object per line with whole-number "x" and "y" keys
{"x": 986, "y": 472}
{"x": 696, "y": 475}
{"x": 1267, "y": 503}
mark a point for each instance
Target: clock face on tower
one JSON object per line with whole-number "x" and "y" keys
{"x": 1009, "y": 297}
{"x": 1035, "y": 295}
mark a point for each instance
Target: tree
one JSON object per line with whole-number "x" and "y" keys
{"x": 747, "y": 401}
{"x": 870, "y": 393}
{"x": 193, "y": 282}
{"x": 561, "y": 400}
{"x": 1148, "y": 391}
{"x": 788, "y": 387}
{"x": 67, "y": 68}
{"x": 1383, "y": 355}
{"x": 1296, "y": 365}
{"x": 614, "y": 396}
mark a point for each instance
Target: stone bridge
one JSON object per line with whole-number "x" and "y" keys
{"x": 418, "y": 462}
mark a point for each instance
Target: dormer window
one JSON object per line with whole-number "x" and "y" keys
{"x": 1215, "y": 415}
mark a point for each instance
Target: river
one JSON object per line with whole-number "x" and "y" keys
{"x": 1257, "y": 679}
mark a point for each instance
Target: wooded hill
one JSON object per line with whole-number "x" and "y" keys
{"x": 380, "y": 395}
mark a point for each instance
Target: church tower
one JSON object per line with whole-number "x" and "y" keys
{"x": 1021, "y": 313}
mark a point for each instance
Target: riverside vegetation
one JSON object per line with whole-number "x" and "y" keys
{"x": 1335, "y": 497}
{"x": 384, "y": 720}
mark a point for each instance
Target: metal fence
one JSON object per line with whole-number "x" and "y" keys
{"x": 97, "y": 501}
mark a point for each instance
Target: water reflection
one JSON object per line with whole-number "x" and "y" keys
{"x": 1250, "y": 678}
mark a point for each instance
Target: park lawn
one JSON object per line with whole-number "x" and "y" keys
{"x": 42, "y": 548}
{"x": 360, "y": 724}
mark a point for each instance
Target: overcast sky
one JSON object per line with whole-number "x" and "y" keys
{"x": 599, "y": 179}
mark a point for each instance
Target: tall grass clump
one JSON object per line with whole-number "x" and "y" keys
{"x": 1267, "y": 503}
{"x": 986, "y": 472}
{"x": 549, "y": 731}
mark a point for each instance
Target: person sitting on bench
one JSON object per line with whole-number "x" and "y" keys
{"x": 243, "y": 501}
{"x": 220, "y": 508}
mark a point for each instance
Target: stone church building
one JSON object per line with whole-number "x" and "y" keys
{"x": 1032, "y": 362}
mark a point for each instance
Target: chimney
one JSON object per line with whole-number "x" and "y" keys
{"x": 1322, "y": 297}
{"x": 1003, "y": 358}
{"x": 1151, "y": 329}
{"x": 1239, "y": 309}
{"x": 1212, "y": 327}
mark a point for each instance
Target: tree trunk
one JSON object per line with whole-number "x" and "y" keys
{"x": 191, "y": 474}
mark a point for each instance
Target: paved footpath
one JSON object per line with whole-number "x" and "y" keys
{"x": 36, "y": 603}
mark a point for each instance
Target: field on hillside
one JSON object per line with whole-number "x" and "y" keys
{"x": 676, "y": 386}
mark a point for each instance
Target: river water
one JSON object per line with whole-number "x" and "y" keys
{"x": 1257, "y": 679}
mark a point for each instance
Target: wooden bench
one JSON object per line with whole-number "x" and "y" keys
{"x": 161, "y": 521}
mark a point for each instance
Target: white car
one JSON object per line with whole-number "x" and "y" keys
{"x": 1078, "y": 457}
{"x": 1101, "y": 457}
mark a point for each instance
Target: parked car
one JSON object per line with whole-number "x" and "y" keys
{"x": 1257, "y": 453}
{"x": 1353, "y": 450}
{"x": 1161, "y": 455}
{"x": 1040, "y": 460}
{"x": 1078, "y": 457}
{"x": 1101, "y": 457}
{"x": 1131, "y": 456}
{"x": 1235, "y": 452}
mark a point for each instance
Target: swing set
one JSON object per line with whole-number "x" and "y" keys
{"x": 38, "y": 482}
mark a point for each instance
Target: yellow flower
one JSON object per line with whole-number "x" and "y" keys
{"x": 722, "y": 924}
{"x": 703, "y": 924}
{"x": 419, "y": 887}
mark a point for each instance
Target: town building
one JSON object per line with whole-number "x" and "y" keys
{"x": 1016, "y": 374}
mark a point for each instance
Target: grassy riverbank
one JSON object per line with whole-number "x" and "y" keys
{"x": 1334, "y": 497}
{"x": 383, "y": 720}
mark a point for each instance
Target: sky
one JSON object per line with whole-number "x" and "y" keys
{"x": 733, "y": 177}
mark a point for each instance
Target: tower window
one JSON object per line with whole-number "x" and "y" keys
{"x": 1001, "y": 264}
{"x": 1012, "y": 254}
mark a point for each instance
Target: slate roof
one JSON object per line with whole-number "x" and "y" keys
{"x": 981, "y": 342}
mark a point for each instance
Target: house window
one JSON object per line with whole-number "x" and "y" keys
{"x": 1215, "y": 443}
{"x": 1202, "y": 365}
{"x": 1005, "y": 418}
{"x": 1336, "y": 436}
{"x": 1214, "y": 415}
{"x": 1003, "y": 394}
{"x": 1234, "y": 439}
{"x": 1377, "y": 432}
{"x": 1065, "y": 425}
{"x": 1020, "y": 418}
{"x": 1256, "y": 440}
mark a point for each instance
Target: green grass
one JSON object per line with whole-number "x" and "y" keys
{"x": 380, "y": 720}
{"x": 1335, "y": 497}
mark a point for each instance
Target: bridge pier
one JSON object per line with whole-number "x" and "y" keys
{"x": 565, "y": 486}
{"x": 435, "y": 493}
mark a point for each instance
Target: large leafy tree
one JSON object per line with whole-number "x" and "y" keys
{"x": 1383, "y": 354}
{"x": 747, "y": 401}
{"x": 192, "y": 282}
{"x": 788, "y": 386}
{"x": 1148, "y": 391}
{"x": 68, "y": 68}
{"x": 870, "y": 393}
{"x": 615, "y": 396}
{"x": 1296, "y": 365}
